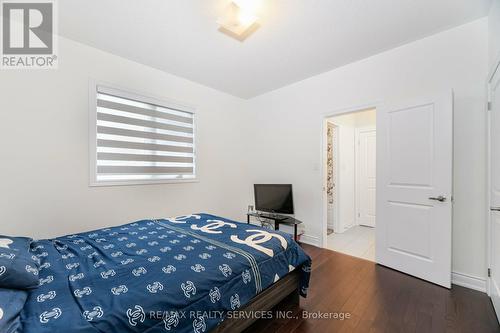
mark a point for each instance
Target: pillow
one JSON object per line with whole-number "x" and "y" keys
{"x": 18, "y": 268}
{"x": 11, "y": 304}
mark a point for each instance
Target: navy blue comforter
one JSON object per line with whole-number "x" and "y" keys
{"x": 172, "y": 275}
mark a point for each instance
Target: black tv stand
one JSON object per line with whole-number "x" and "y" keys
{"x": 277, "y": 219}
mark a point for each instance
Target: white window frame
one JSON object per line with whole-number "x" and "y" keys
{"x": 137, "y": 96}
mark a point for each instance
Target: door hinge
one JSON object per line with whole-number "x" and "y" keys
{"x": 489, "y": 272}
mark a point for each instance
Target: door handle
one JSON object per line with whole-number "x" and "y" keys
{"x": 495, "y": 209}
{"x": 440, "y": 198}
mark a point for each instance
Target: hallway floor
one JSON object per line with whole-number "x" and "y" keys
{"x": 358, "y": 241}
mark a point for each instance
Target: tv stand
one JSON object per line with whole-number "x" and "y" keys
{"x": 270, "y": 216}
{"x": 277, "y": 219}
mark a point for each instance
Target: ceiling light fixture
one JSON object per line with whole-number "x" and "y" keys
{"x": 239, "y": 19}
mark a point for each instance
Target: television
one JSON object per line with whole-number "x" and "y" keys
{"x": 274, "y": 198}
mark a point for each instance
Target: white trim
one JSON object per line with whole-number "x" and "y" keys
{"x": 490, "y": 283}
{"x": 323, "y": 145}
{"x": 138, "y": 96}
{"x": 468, "y": 281}
{"x": 311, "y": 240}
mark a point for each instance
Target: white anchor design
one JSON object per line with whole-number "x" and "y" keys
{"x": 246, "y": 276}
{"x": 5, "y": 242}
{"x": 188, "y": 288}
{"x": 154, "y": 287}
{"x": 169, "y": 269}
{"x": 235, "y": 301}
{"x": 46, "y": 316}
{"x": 107, "y": 274}
{"x": 214, "y": 295}
{"x": 226, "y": 270}
{"x": 260, "y": 236}
{"x": 47, "y": 280}
{"x": 83, "y": 292}
{"x": 127, "y": 261}
{"x": 72, "y": 266}
{"x": 95, "y": 313}
{"x": 212, "y": 226}
{"x": 75, "y": 277}
{"x": 136, "y": 316}
{"x": 139, "y": 271}
{"x": 171, "y": 320}
{"x": 31, "y": 270}
{"x": 205, "y": 255}
{"x": 229, "y": 255}
{"x": 198, "y": 268}
{"x": 62, "y": 248}
{"x": 181, "y": 219}
{"x": 154, "y": 259}
{"x": 99, "y": 263}
{"x": 199, "y": 325}
{"x": 8, "y": 256}
{"x": 121, "y": 289}
{"x": 43, "y": 297}
{"x": 117, "y": 254}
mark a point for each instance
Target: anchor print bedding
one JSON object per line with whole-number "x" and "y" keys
{"x": 170, "y": 275}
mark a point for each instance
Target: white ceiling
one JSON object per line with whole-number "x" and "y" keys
{"x": 297, "y": 38}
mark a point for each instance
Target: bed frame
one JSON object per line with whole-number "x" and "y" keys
{"x": 286, "y": 287}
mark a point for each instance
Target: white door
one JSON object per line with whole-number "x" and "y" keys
{"x": 414, "y": 187}
{"x": 366, "y": 177}
{"x": 494, "y": 115}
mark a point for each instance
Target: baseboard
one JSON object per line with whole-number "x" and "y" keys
{"x": 468, "y": 281}
{"x": 459, "y": 279}
{"x": 311, "y": 240}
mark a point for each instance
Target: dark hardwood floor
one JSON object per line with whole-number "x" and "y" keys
{"x": 379, "y": 299}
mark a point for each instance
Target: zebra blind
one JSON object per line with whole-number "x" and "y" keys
{"x": 137, "y": 140}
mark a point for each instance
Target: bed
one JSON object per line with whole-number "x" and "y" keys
{"x": 182, "y": 274}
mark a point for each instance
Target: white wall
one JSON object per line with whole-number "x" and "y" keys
{"x": 44, "y": 148}
{"x": 346, "y": 196}
{"x": 289, "y": 124}
{"x": 494, "y": 32}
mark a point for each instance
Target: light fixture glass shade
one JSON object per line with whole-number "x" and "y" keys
{"x": 238, "y": 22}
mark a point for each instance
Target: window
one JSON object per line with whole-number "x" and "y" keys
{"x": 139, "y": 140}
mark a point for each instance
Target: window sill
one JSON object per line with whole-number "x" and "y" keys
{"x": 142, "y": 182}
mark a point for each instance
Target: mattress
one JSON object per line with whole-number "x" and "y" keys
{"x": 181, "y": 274}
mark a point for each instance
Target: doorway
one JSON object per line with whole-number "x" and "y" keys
{"x": 414, "y": 184}
{"x": 351, "y": 183}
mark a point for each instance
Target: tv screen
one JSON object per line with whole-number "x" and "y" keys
{"x": 274, "y": 198}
